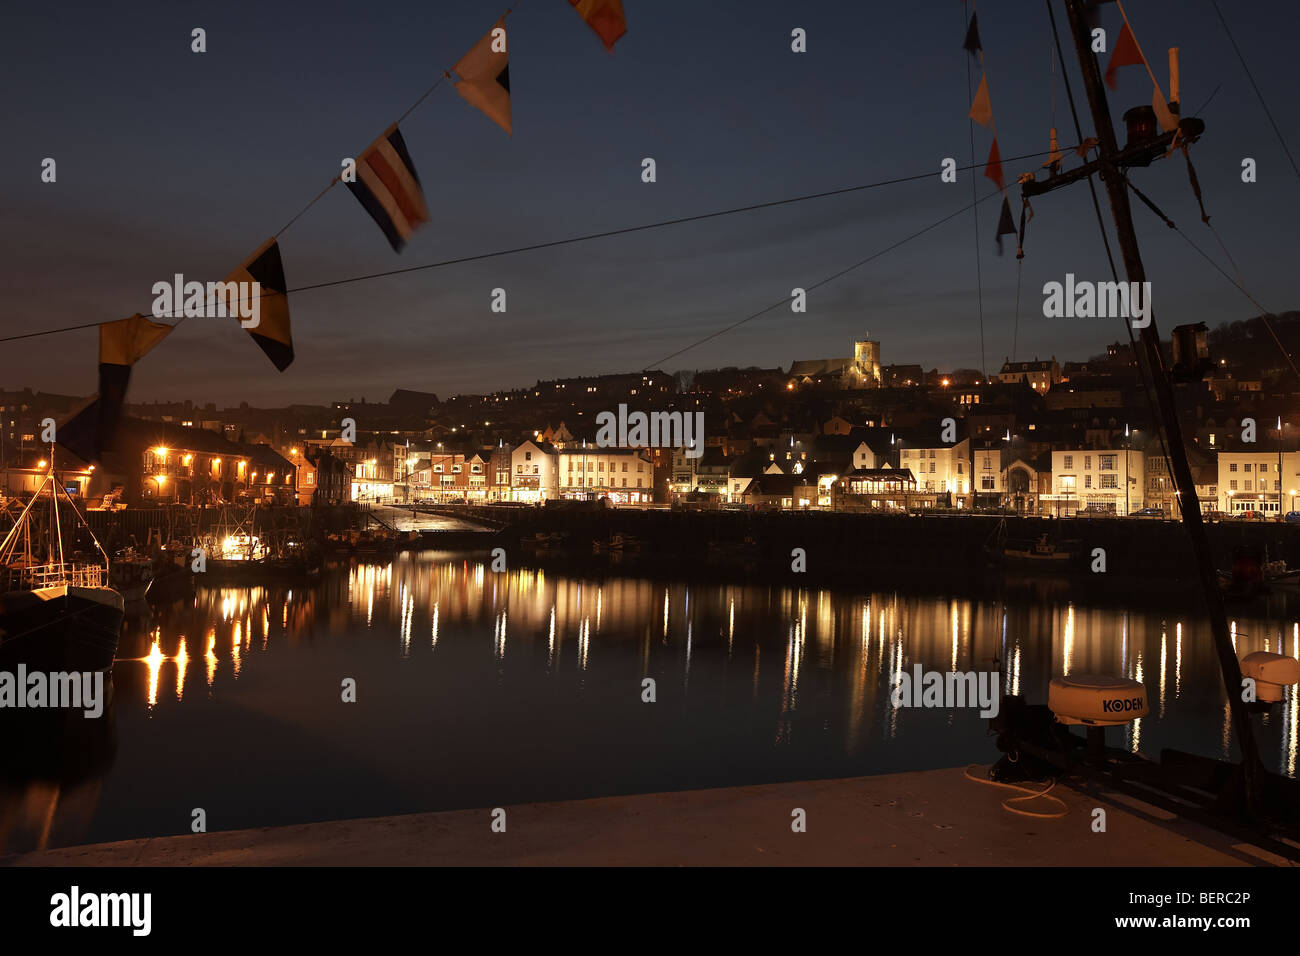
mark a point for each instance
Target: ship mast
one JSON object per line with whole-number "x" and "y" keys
{"x": 1116, "y": 190}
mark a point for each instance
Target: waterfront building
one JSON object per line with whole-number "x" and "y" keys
{"x": 624, "y": 475}
{"x": 533, "y": 475}
{"x": 706, "y": 474}
{"x": 1266, "y": 481}
{"x": 875, "y": 489}
{"x": 1107, "y": 481}
{"x": 159, "y": 462}
{"x": 1027, "y": 482}
{"x": 943, "y": 469}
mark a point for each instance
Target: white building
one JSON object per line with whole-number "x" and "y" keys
{"x": 940, "y": 469}
{"x": 1110, "y": 480}
{"x": 533, "y": 472}
{"x": 624, "y": 475}
{"x": 1263, "y": 481}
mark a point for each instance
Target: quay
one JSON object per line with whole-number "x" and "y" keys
{"x": 922, "y": 818}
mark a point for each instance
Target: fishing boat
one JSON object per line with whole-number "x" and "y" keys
{"x": 57, "y": 610}
{"x": 236, "y": 553}
{"x": 1044, "y": 553}
{"x": 131, "y": 574}
{"x": 173, "y": 579}
{"x": 1252, "y": 575}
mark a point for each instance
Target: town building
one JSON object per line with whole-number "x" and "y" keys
{"x": 624, "y": 475}
{"x": 1107, "y": 481}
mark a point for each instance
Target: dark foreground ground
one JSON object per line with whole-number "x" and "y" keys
{"x": 929, "y": 818}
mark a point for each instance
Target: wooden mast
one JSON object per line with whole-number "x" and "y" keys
{"x": 1117, "y": 193}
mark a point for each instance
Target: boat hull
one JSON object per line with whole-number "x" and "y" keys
{"x": 60, "y": 628}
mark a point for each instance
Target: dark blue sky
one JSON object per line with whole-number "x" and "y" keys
{"x": 169, "y": 161}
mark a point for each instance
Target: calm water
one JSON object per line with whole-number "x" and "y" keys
{"x": 479, "y": 689}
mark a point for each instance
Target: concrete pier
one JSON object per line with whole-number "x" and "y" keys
{"x": 929, "y": 818}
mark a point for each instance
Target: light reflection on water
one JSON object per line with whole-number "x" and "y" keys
{"x": 478, "y": 688}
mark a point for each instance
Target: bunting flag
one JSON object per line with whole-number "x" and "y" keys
{"x": 972, "y": 44}
{"x": 605, "y": 17}
{"x": 981, "y": 110}
{"x": 389, "y": 189}
{"x": 1006, "y": 225}
{"x": 271, "y": 332}
{"x": 92, "y": 431}
{"x": 1126, "y": 53}
{"x": 485, "y": 76}
{"x": 993, "y": 168}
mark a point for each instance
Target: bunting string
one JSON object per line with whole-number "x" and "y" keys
{"x": 568, "y": 240}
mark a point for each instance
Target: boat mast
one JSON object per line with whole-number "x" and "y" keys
{"x": 1116, "y": 190}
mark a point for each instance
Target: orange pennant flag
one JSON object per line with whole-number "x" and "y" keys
{"x": 1126, "y": 53}
{"x": 993, "y": 168}
{"x": 981, "y": 110}
{"x": 606, "y": 17}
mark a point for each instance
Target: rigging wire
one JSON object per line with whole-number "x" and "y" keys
{"x": 752, "y": 207}
{"x": 831, "y": 278}
{"x": 1264, "y": 313}
{"x": 1260, "y": 96}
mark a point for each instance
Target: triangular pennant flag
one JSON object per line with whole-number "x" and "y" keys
{"x": 1168, "y": 121}
{"x": 605, "y": 17}
{"x": 981, "y": 110}
{"x": 126, "y": 341}
{"x": 1006, "y": 225}
{"x": 972, "y": 43}
{"x": 93, "y": 430}
{"x": 269, "y": 325}
{"x": 993, "y": 168}
{"x": 389, "y": 189}
{"x": 485, "y": 76}
{"x": 1126, "y": 53}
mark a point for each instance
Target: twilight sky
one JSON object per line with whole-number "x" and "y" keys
{"x": 171, "y": 161}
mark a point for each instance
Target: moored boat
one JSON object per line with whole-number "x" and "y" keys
{"x": 57, "y": 610}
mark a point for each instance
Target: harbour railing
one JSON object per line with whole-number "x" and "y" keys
{"x": 56, "y": 574}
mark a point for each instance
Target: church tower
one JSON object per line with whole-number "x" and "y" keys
{"x": 866, "y": 363}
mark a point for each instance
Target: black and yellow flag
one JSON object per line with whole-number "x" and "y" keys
{"x": 269, "y": 323}
{"x": 93, "y": 430}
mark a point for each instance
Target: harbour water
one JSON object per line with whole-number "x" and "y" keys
{"x": 476, "y": 688}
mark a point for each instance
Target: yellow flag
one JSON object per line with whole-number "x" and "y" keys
{"x": 127, "y": 340}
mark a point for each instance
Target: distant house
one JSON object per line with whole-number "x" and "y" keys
{"x": 783, "y": 492}
{"x": 1039, "y": 375}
